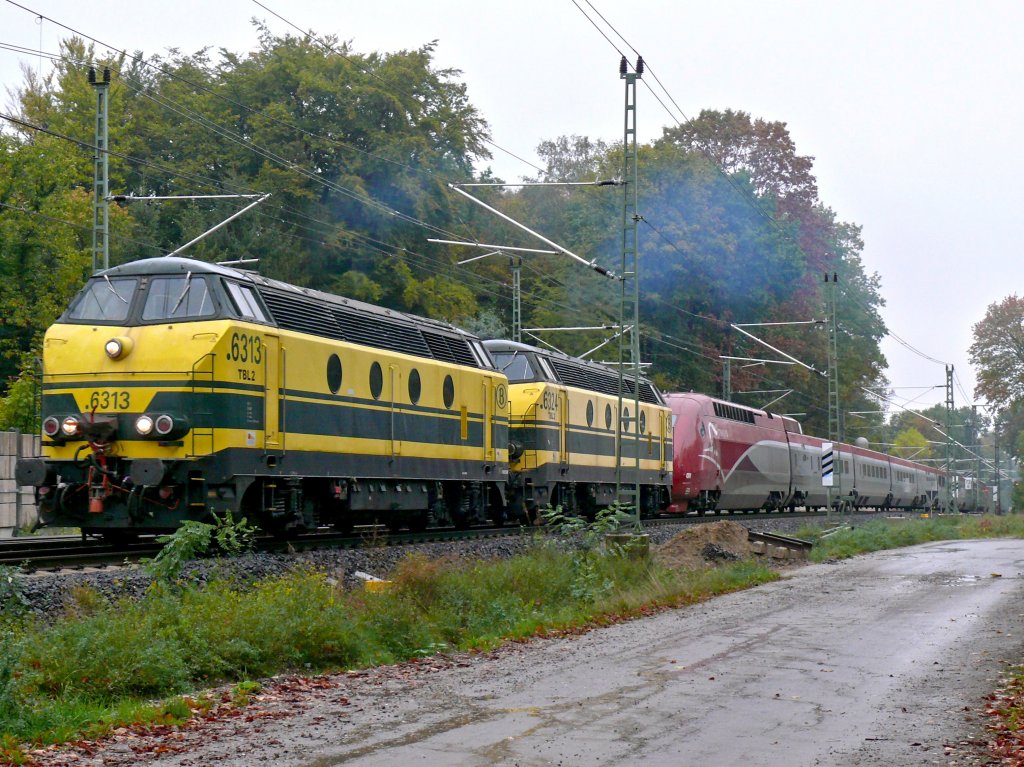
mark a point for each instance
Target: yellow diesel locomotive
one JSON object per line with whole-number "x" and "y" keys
{"x": 563, "y": 433}
{"x": 174, "y": 389}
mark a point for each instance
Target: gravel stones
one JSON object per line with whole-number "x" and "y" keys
{"x": 49, "y": 594}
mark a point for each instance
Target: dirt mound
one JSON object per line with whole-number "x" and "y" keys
{"x": 704, "y": 545}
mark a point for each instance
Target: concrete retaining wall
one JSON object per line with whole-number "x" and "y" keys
{"x": 17, "y": 504}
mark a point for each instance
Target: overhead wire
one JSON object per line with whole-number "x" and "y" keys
{"x": 206, "y": 89}
{"x": 82, "y": 227}
{"x": 337, "y": 187}
{"x": 142, "y": 90}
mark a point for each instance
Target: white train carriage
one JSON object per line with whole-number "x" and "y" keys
{"x": 870, "y": 483}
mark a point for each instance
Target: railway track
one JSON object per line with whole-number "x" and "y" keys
{"x": 70, "y": 552}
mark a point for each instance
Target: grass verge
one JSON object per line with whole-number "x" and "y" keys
{"x": 102, "y": 665}
{"x": 881, "y": 534}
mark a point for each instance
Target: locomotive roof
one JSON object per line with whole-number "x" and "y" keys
{"x": 170, "y": 265}
{"x": 317, "y": 313}
{"x": 722, "y": 407}
{"x": 179, "y": 265}
{"x": 501, "y": 345}
{"x": 581, "y": 373}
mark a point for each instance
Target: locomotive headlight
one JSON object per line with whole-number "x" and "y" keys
{"x": 118, "y": 347}
{"x": 70, "y": 426}
{"x": 144, "y": 425}
{"x": 164, "y": 425}
{"x": 51, "y": 427}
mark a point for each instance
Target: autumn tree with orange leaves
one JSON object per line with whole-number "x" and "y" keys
{"x": 998, "y": 352}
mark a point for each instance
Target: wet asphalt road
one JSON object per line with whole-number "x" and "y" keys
{"x": 871, "y": 661}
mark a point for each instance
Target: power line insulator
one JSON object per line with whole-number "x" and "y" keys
{"x": 622, "y": 67}
{"x": 639, "y": 66}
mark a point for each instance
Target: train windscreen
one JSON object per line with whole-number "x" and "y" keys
{"x": 104, "y": 300}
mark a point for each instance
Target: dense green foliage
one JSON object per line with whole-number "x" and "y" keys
{"x": 357, "y": 151}
{"x": 732, "y": 232}
{"x": 60, "y": 679}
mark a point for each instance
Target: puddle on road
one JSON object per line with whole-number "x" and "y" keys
{"x": 959, "y": 580}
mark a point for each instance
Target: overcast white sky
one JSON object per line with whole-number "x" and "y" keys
{"x": 912, "y": 110}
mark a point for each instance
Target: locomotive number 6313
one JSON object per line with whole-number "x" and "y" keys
{"x": 246, "y": 348}
{"x": 109, "y": 400}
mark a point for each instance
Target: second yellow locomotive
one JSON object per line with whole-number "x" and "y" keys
{"x": 566, "y": 431}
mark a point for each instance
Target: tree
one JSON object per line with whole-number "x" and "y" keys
{"x": 998, "y": 352}
{"x": 912, "y": 445}
{"x": 732, "y": 231}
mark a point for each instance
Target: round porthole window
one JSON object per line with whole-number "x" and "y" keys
{"x": 590, "y": 413}
{"x": 625, "y": 419}
{"x": 643, "y": 422}
{"x": 334, "y": 373}
{"x": 608, "y": 416}
{"x": 448, "y": 391}
{"x": 414, "y": 386}
{"x": 376, "y": 380}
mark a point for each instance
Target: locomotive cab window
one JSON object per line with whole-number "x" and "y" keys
{"x": 246, "y": 304}
{"x": 515, "y": 365}
{"x": 177, "y": 298}
{"x": 480, "y": 354}
{"x": 549, "y": 374}
{"x": 104, "y": 300}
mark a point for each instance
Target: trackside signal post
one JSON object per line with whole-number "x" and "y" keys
{"x": 827, "y": 467}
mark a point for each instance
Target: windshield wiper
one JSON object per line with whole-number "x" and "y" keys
{"x": 188, "y": 284}
{"x": 113, "y": 289}
{"x": 511, "y": 360}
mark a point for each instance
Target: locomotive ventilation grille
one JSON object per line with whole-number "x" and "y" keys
{"x": 586, "y": 377}
{"x": 305, "y": 315}
{"x": 733, "y": 413}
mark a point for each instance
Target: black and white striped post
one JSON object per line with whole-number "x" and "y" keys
{"x": 828, "y": 473}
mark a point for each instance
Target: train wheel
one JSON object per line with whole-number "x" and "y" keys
{"x": 115, "y": 537}
{"x": 345, "y": 525}
{"x": 419, "y": 521}
{"x": 457, "y": 505}
{"x": 533, "y": 514}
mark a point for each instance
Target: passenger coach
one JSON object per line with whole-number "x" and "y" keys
{"x": 734, "y": 458}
